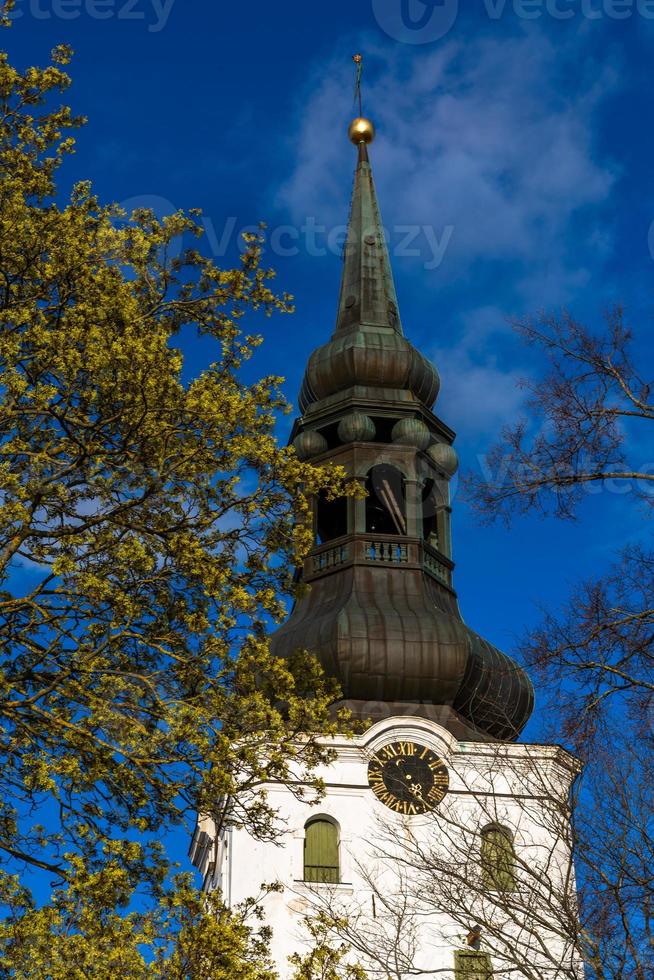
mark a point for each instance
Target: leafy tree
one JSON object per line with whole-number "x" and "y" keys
{"x": 81, "y": 934}
{"x": 149, "y": 526}
{"x": 327, "y": 960}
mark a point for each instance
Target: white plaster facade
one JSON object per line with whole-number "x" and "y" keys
{"x": 524, "y": 787}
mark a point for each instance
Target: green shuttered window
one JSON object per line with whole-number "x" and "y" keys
{"x": 498, "y": 859}
{"x": 321, "y": 862}
{"x": 471, "y": 965}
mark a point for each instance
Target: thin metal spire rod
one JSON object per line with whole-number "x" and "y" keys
{"x": 358, "y": 61}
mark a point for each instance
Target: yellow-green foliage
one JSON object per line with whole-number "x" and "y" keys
{"x": 185, "y": 936}
{"x": 148, "y": 527}
{"x": 328, "y": 959}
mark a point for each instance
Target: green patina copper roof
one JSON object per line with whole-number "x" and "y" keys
{"x": 367, "y": 298}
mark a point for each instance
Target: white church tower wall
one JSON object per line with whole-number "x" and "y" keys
{"x": 523, "y": 788}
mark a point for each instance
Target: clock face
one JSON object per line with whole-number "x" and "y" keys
{"x": 408, "y": 778}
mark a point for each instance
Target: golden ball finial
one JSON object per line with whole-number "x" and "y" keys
{"x": 361, "y": 131}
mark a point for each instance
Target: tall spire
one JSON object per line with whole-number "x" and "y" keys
{"x": 367, "y": 299}
{"x": 381, "y": 613}
{"x": 368, "y": 352}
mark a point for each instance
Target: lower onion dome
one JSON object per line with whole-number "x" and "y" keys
{"x": 401, "y": 647}
{"x": 374, "y": 359}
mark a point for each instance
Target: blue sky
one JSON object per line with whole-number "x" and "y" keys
{"x": 514, "y": 147}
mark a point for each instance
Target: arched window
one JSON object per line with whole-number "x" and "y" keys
{"x": 430, "y": 508}
{"x": 321, "y": 859}
{"x": 385, "y": 503}
{"x": 331, "y": 518}
{"x": 498, "y": 858}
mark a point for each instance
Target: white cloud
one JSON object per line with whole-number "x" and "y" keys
{"x": 494, "y": 137}
{"x": 489, "y": 136}
{"x": 479, "y": 393}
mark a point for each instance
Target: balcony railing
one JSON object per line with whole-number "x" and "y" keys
{"x": 436, "y": 566}
{"x": 386, "y": 550}
{"x": 373, "y": 549}
{"x": 330, "y": 557}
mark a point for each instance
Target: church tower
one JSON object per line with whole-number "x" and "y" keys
{"x": 437, "y": 771}
{"x": 382, "y": 613}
